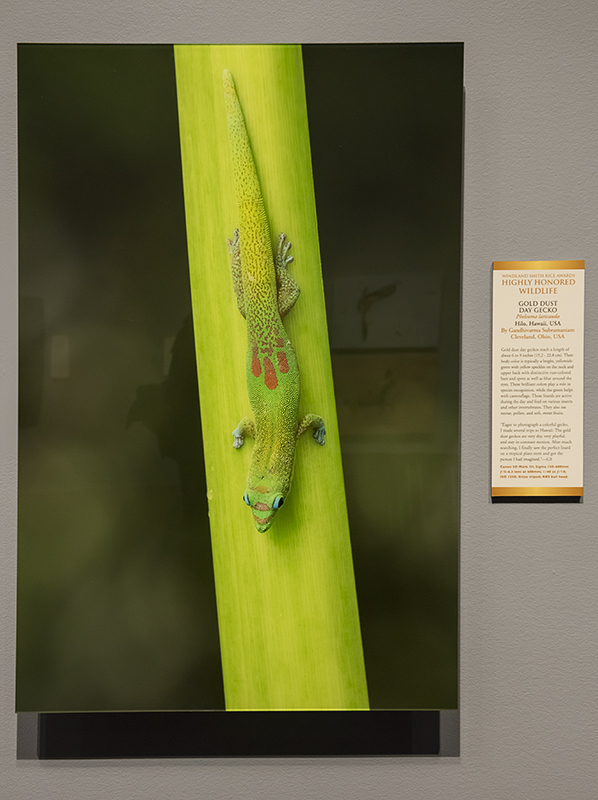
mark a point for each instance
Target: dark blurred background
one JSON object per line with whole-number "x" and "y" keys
{"x": 116, "y": 607}
{"x": 386, "y": 139}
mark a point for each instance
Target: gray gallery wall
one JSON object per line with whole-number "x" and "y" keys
{"x": 529, "y": 638}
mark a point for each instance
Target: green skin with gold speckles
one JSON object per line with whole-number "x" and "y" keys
{"x": 265, "y": 292}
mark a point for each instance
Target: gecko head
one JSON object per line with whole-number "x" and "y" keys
{"x": 264, "y": 502}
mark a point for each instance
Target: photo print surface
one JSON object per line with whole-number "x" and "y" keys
{"x": 144, "y": 582}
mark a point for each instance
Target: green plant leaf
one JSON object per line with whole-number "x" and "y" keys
{"x": 287, "y": 606}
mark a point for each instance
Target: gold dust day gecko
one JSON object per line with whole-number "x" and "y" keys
{"x": 265, "y": 292}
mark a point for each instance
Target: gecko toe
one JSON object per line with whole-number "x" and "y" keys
{"x": 320, "y": 435}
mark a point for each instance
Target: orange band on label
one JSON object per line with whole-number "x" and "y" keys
{"x": 546, "y": 266}
{"x": 538, "y": 491}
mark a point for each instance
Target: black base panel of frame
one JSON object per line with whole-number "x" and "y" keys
{"x": 537, "y": 499}
{"x": 192, "y": 734}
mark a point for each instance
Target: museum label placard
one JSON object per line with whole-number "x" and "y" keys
{"x": 537, "y": 378}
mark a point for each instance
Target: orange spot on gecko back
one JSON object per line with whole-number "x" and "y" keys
{"x": 270, "y": 378}
{"x": 279, "y": 342}
{"x": 256, "y": 367}
{"x": 283, "y": 364}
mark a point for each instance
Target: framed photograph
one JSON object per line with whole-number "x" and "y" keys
{"x": 240, "y": 278}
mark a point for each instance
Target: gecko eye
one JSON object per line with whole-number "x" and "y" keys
{"x": 278, "y": 501}
{"x": 246, "y": 499}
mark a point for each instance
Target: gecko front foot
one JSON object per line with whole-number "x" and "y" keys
{"x": 315, "y": 422}
{"x": 320, "y": 434}
{"x": 244, "y": 427}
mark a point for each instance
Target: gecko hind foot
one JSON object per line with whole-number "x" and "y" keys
{"x": 235, "y": 261}
{"x": 282, "y": 257}
{"x": 239, "y": 439}
{"x": 233, "y": 244}
{"x": 288, "y": 290}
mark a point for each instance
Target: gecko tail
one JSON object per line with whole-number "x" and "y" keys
{"x": 233, "y": 108}
{"x": 227, "y": 80}
{"x": 247, "y": 185}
